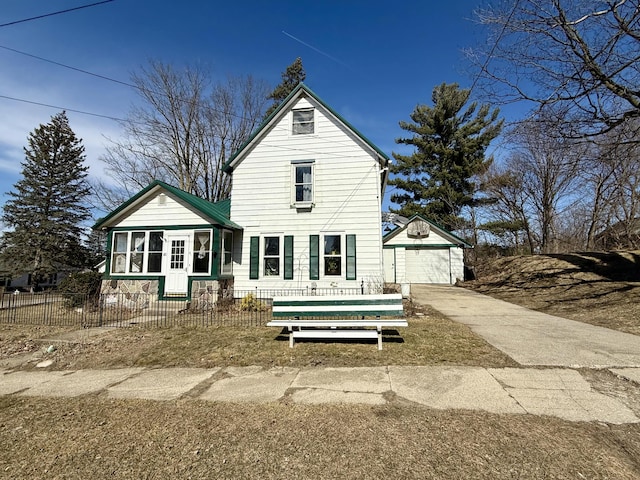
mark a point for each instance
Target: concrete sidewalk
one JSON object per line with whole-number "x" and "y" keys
{"x": 562, "y": 393}
{"x": 532, "y": 338}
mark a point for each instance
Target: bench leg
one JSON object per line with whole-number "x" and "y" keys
{"x": 379, "y": 338}
{"x": 291, "y": 337}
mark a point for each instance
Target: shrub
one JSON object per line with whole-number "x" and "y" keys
{"x": 250, "y": 303}
{"x": 81, "y": 287}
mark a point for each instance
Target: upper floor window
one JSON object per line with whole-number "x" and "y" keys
{"x": 303, "y": 182}
{"x": 303, "y": 122}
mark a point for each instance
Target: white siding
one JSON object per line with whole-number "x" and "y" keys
{"x": 431, "y": 259}
{"x": 158, "y": 213}
{"x": 346, "y": 199}
{"x": 435, "y": 238}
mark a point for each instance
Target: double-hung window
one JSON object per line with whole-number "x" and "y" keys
{"x": 332, "y": 255}
{"x": 303, "y": 121}
{"x": 271, "y": 256}
{"x": 302, "y": 179}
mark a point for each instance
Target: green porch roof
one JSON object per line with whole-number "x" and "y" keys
{"x": 219, "y": 212}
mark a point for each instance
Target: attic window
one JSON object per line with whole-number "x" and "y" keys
{"x": 302, "y": 123}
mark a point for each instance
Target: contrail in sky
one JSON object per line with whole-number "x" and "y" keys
{"x": 317, "y": 50}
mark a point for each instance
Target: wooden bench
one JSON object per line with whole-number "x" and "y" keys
{"x": 366, "y": 315}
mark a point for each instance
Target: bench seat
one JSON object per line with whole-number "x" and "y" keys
{"x": 294, "y": 314}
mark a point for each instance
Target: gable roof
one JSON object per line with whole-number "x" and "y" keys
{"x": 218, "y": 212}
{"x": 300, "y": 90}
{"x": 454, "y": 238}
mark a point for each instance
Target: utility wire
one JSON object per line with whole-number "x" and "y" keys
{"x": 69, "y": 66}
{"x": 54, "y": 13}
{"x": 61, "y": 108}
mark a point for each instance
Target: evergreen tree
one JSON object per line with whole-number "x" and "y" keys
{"x": 47, "y": 206}
{"x": 291, "y": 77}
{"x": 438, "y": 179}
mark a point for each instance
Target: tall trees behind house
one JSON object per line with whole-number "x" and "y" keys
{"x": 535, "y": 188}
{"x": 183, "y": 133}
{"x": 291, "y": 77}
{"x": 579, "y": 59}
{"x": 47, "y": 206}
{"x": 554, "y": 194}
{"x": 575, "y": 55}
{"x": 449, "y": 139}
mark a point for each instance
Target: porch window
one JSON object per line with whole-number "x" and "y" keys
{"x": 154, "y": 264}
{"x": 271, "y": 256}
{"x": 119, "y": 253}
{"x": 303, "y": 123}
{"x": 136, "y": 257}
{"x": 201, "y": 251}
{"x": 226, "y": 252}
{"x": 332, "y": 255}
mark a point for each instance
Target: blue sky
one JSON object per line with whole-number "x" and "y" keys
{"x": 373, "y": 61}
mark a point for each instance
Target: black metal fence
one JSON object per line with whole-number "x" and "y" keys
{"x": 222, "y": 308}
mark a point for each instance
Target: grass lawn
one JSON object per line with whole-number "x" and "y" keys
{"x": 96, "y": 437}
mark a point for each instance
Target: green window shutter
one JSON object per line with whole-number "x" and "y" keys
{"x": 314, "y": 257}
{"x": 351, "y": 257}
{"x": 254, "y": 257}
{"x": 288, "y": 257}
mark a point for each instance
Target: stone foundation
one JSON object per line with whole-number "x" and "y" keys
{"x": 131, "y": 293}
{"x": 206, "y": 293}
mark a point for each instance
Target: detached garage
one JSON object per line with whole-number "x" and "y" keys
{"x": 422, "y": 252}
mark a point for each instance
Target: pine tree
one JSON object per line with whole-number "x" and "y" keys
{"x": 47, "y": 206}
{"x": 291, "y": 77}
{"x": 438, "y": 179}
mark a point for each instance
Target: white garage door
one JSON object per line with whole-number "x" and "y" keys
{"x": 428, "y": 265}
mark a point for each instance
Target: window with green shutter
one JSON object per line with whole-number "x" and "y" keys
{"x": 288, "y": 257}
{"x": 254, "y": 257}
{"x": 351, "y": 257}
{"x": 314, "y": 257}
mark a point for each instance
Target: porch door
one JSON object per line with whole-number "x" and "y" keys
{"x": 177, "y": 278}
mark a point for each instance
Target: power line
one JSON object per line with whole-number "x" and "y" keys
{"x": 54, "y": 13}
{"x": 61, "y": 108}
{"x": 86, "y": 72}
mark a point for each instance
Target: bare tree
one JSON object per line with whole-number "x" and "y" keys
{"x": 509, "y": 209}
{"x": 183, "y": 132}
{"x": 581, "y": 55}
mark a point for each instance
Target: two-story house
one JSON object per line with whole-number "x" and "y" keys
{"x": 304, "y": 213}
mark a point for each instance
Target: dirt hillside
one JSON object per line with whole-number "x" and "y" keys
{"x": 598, "y": 288}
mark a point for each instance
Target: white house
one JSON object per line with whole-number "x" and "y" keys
{"x": 304, "y": 213}
{"x": 423, "y": 252}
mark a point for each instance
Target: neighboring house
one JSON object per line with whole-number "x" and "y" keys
{"x": 619, "y": 236}
{"x": 422, "y": 252}
{"x": 304, "y": 214}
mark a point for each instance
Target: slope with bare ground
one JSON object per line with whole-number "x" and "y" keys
{"x": 598, "y": 288}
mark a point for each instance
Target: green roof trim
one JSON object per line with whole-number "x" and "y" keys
{"x": 218, "y": 212}
{"x": 395, "y": 231}
{"x": 285, "y": 104}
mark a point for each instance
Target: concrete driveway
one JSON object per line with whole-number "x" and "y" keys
{"x": 529, "y": 337}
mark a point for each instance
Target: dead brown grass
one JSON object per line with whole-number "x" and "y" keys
{"x": 94, "y": 437}
{"x": 430, "y": 339}
{"x": 598, "y": 288}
